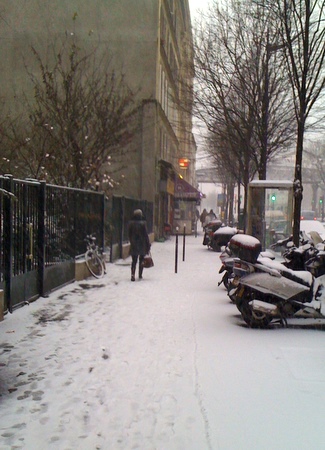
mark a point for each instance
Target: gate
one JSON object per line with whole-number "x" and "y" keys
{"x": 19, "y": 251}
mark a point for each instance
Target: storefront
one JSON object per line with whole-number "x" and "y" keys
{"x": 186, "y": 201}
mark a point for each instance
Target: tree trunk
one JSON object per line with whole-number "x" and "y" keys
{"x": 230, "y": 190}
{"x": 298, "y": 188}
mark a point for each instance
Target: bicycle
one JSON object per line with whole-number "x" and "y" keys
{"x": 94, "y": 259}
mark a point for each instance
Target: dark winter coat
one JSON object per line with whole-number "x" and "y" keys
{"x": 138, "y": 237}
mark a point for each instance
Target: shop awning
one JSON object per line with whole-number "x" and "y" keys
{"x": 185, "y": 190}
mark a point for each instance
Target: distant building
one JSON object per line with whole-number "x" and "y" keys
{"x": 151, "y": 41}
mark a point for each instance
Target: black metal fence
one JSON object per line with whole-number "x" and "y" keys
{"x": 43, "y": 228}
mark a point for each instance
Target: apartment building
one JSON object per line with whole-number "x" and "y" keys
{"x": 151, "y": 42}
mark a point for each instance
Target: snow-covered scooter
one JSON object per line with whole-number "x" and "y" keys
{"x": 229, "y": 279}
{"x": 227, "y": 263}
{"x": 274, "y": 292}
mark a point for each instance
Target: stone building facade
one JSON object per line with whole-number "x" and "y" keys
{"x": 151, "y": 42}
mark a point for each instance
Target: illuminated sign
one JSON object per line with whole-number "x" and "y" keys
{"x": 183, "y": 163}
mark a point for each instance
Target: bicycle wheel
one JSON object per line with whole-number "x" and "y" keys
{"x": 101, "y": 255}
{"x": 94, "y": 264}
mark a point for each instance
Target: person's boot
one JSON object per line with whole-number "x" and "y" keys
{"x": 140, "y": 271}
{"x": 132, "y": 275}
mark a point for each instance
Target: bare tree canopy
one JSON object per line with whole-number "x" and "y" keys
{"x": 241, "y": 91}
{"x": 303, "y": 36}
{"x": 75, "y": 127}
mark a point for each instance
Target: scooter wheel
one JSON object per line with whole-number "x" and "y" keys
{"x": 225, "y": 280}
{"x": 254, "y": 319}
{"x": 232, "y": 289}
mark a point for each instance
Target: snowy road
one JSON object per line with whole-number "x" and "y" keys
{"x": 165, "y": 363}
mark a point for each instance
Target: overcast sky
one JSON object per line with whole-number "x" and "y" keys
{"x": 197, "y": 4}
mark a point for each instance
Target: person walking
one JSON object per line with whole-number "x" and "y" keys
{"x": 203, "y": 216}
{"x": 139, "y": 241}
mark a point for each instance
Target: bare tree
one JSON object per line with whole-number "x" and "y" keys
{"x": 241, "y": 91}
{"x": 303, "y": 37}
{"x": 77, "y": 126}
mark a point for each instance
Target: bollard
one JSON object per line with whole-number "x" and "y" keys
{"x": 176, "y": 250}
{"x": 184, "y": 233}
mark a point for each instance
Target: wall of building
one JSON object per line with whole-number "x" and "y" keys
{"x": 127, "y": 33}
{"x": 149, "y": 41}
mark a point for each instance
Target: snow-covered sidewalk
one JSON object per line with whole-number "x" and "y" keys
{"x": 164, "y": 363}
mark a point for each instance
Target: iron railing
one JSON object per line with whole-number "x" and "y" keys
{"x": 43, "y": 229}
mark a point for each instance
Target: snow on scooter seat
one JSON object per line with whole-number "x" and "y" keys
{"x": 245, "y": 247}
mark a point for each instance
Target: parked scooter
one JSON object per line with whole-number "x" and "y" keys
{"x": 209, "y": 229}
{"x": 227, "y": 263}
{"x": 221, "y": 237}
{"x": 227, "y": 268}
{"x": 274, "y": 291}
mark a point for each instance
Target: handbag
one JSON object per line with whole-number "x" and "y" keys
{"x": 147, "y": 261}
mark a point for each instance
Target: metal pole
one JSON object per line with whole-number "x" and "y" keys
{"x": 176, "y": 250}
{"x": 184, "y": 233}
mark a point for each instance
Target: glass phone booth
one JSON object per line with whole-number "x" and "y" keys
{"x": 269, "y": 210}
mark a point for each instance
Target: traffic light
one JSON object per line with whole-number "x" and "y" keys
{"x": 273, "y": 197}
{"x": 321, "y": 199}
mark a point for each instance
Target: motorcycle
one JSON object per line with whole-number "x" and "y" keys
{"x": 222, "y": 236}
{"x": 209, "y": 229}
{"x": 272, "y": 291}
{"x": 227, "y": 263}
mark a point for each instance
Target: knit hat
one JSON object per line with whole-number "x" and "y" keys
{"x": 137, "y": 212}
